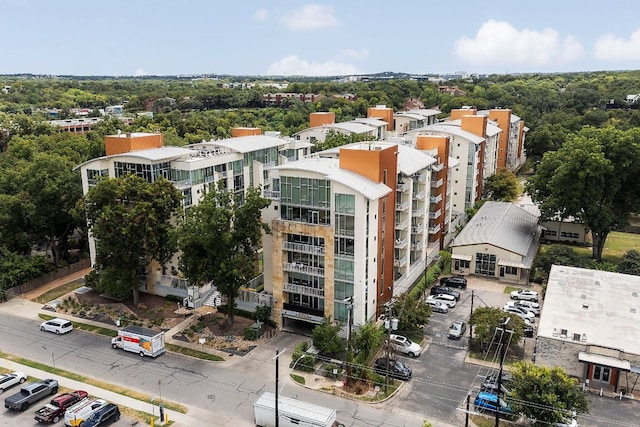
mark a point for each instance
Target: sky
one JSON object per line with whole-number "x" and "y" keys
{"x": 318, "y": 38}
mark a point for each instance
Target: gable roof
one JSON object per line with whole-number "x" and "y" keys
{"x": 503, "y": 225}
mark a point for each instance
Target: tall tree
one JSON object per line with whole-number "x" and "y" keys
{"x": 594, "y": 178}
{"x": 502, "y": 186}
{"x": 131, "y": 222}
{"x": 546, "y": 395}
{"x": 219, "y": 240}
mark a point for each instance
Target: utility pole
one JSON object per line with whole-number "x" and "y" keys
{"x": 470, "y": 316}
{"x": 503, "y": 350}
{"x": 277, "y": 414}
{"x": 386, "y": 382}
{"x": 349, "y": 326}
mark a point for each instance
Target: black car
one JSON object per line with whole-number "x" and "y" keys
{"x": 454, "y": 282}
{"x": 106, "y": 415}
{"x": 493, "y": 379}
{"x": 439, "y": 289}
{"x": 397, "y": 369}
{"x": 528, "y": 331}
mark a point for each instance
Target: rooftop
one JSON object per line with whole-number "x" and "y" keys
{"x": 603, "y": 305}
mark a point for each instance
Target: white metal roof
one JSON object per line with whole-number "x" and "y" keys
{"x": 426, "y": 112}
{"x": 603, "y": 305}
{"x": 246, "y": 144}
{"x": 370, "y": 121}
{"x": 150, "y": 154}
{"x": 500, "y": 224}
{"x": 412, "y": 160}
{"x": 330, "y": 168}
{"x": 351, "y": 127}
{"x": 414, "y": 116}
{"x": 448, "y": 127}
{"x": 309, "y": 413}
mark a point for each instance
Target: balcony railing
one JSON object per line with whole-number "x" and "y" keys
{"x": 437, "y": 184}
{"x": 437, "y": 167}
{"x": 402, "y": 206}
{"x": 303, "y": 290}
{"x": 301, "y": 268}
{"x": 302, "y": 247}
{"x": 270, "y": 194}
{"x": 419, "y": 195}
{"x": 417, "y": 246}
{"x": 419, "y": 228}
{"x": 435, "y": 229}
{"x": 435, "y": 199}
{"x": 400, "y": 262}
{"x": 422, "y": 177}
{"x": 401, "y": 243}
{"x": 402, "y": 186}
{"x": 436, "y": 214}
{"x": 401, "y": 225}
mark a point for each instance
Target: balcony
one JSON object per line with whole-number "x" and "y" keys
{"x": 400, "y": 243}
{"x": 419, "y": 228}
{"x": 436, "y": 214}
{"x": 303, "y": 290}
{"x": 422, "y": 177}
{"x": 302, "y": 268}
{"x": 419, "y": 195}
{"x": 402, "y": 186}
{"x": 402, "y": 225}
{"x": 402, "y": 206}
{"x": 417, "y": 246}
{"x": 435, "y": 229}
{"x": 273, "y": 195}
{"x": 437, "y": 167}
{"x": 437, "y": 184}
{"x": 418, "y": 211}
{"x": 435, "y": 199}
{"x": 400, "y": 262}
{"x": 307, "y": 314}
{"x": 303, "y": 248}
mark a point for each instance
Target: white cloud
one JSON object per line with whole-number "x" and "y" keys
{"x": 355, "y": 53}
{"x": 500, "y": 43}
{"x": 311, "y": 17}
{"x": 139, "y": 72}
{"x": 294, "y": 66}
{"x": 611, "y": 48}
{"x": 261, "y": 15}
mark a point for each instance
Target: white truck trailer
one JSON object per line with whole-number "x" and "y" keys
{"x": 144, "y": 341}
{"x": 292, "y": 413}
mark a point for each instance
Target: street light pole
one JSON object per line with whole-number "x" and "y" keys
{"x": 503, "y": 350}
{"x": 277, "y": 414}
{"x": 386, "y": 382}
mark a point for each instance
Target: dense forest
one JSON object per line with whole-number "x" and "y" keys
{"x": 39, "y": 189}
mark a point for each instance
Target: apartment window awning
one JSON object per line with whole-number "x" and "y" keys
{"x": 508, "y": 263}
{"x": 599, "y": 359}
{"x": 462, "y": 257}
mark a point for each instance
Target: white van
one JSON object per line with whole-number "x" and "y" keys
{"x": 82, "y": 410}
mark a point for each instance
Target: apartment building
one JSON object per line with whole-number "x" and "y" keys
{"x": 238, "y": 163}
{"x": 405, "y": 121}
{"x": 323, "y": 123}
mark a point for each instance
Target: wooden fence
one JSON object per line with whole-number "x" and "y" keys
{"x": 49, "y": 277}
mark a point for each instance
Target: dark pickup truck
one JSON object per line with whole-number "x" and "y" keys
{"x": 31, "y": 393}
{"x": 54, "y": 411}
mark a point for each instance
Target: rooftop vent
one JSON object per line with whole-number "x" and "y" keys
{"x": 634, "y": 294}
{"x": 597, "y": 283}
{"x": 585, "y": 306}
{"x": 583, "y": 296}
{"x": 633, "y": 310}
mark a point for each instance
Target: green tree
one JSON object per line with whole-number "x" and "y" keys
{"x": 485, "y": 320}
{"x": 131, "y": 222}
{"x": 592, "y": 177}
{"x": 547, "y": 395}
{"x": 219, "y": 240}
{"x": 630, "y": 263}
{"x": 412, "y": 314}
{"x": 337, "y": 139}
{"x": 326, "y": 338}
{"x": 559, "y": 255}
{"x": 502, "y": 186}
{"x": 367, "y": 340}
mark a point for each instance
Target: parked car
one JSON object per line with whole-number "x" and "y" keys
{"x": 106, "y": 415}
{"x": 488, "y": 402}
{"x": 437, "y": 306}
{"x": 54, "y": 411}
{"x": 457, "y": 330}
{"x": 523, "y": 314}
{"x": 454, "y": 282}
{"x": 397, "y": 369}
{"x": 31, "y": 393}
{"x": 449, "y": 300}
{"x": 525, "y": 305}
{"x": 528, "y": 331}
{"x": 525, "y": 294}
{"x": 9, "y": 380}
{"x": 439, "y": 289}
{"x": 405, "y": 345}
{"x": 57, "y": 325}
{"x": 493, "y": 378}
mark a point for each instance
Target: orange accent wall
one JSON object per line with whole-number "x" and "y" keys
{"x": 382, "y": 112}
{"x": 373, "y": 164}
{"x": 476, "y": 125}
{"x": 521, "y": 139}
{"x": 126, "y": 142}
{"x": 322, "y": 118}
{"x": 442, "y": 145}
{"x": 240, "y": 131}
{"x": 480, "y": 168}
{"x": 503, "y": 118}
{"x": 458, "y": 113}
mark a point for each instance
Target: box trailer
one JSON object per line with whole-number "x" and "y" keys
{"x": 292, "y": 413}
{"x": 144, "y": 341}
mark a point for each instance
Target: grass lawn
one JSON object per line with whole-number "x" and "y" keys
{"x": 59, "y": 291}
{"x": 614, "y": 248}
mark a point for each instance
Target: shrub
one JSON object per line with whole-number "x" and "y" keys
{"x": 251, "y": 334}
{"x": 329, "y": 369}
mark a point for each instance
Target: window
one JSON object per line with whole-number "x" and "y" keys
{"x": 551, "y": 233}
{"x": 576, "y": 337}
{"x": 563, "y": 332}
{"x": 511, "y": 270}
{"x": 485, "y": 264}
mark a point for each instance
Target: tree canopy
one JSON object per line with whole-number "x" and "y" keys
{"x": 502, "y": 186}
{"x": 630, "y": 263}
{"x": 220, "y": 238}
{"x": 131, "y": 222}
{"x": 593, "y": 178}
{"x": 485, "y": 320}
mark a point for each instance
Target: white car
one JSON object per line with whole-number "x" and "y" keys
{"x": 449, "y": 300}
{"x": 533, "y": 307}
{"x": 437, "y": 306}
{"x": 57, "y": 325}
{"x": 405, "y": 345}
{"x": 9, "y": 380}
{"x": 525, "y": 294}
{"x": 527, "y": 316}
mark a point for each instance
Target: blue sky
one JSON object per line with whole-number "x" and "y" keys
{"x": 291, "y": 37}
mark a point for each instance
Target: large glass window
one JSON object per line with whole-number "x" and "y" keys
{"x": 305, "y": 200}
{"x": 485, "y": 264}
{"x": 93, "y": 175}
